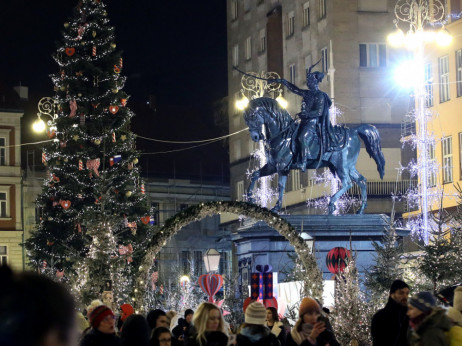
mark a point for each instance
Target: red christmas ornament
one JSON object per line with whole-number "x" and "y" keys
{"x": 116, "y": 69}
{"x": 70, "y": 51}
{"x": 145, "y": 219}
{"x": 51, "y": 133}
{"x": 65, "y": 204}
{"x": 123, "y": 102}
{"x": 113, "y": 109}
{"x": 337, "y": 259}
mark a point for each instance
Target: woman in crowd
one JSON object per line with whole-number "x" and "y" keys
{"x": 455, "y": 315}
{"x": 208, "y": 327}
{"x": 161, "y": 336}
{"x": 429, "y": 323}
{"x": 102, "y": 332}
{"x": 135, "y": 331}
{"x": 254, "y": 330}
{"x": 276, "y": 327}
{"x": 308, "y": 330}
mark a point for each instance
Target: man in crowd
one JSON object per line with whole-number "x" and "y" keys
{"x": 390, "y": 324}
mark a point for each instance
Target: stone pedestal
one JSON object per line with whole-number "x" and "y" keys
{"x": 257, "y": 243}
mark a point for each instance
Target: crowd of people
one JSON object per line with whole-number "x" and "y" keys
{"x": 36, "y": 311}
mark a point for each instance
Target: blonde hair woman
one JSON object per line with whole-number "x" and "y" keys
{"x": 208, "y": 327}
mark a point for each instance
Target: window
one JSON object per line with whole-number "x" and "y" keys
{"x": 447, "y": 160}
{"x": 262, "y": 47}
{"x": 4, "y": 204}
{"x": 443, "y": 66}
{"x": 322, "y": 9}
{"x": 292, "y": 73}
{"x": 428, "y": 85}
{"x": 248, "y": 48}
{"x": 233, "y": 9}
{"x": 3, "y": 255}
{"x": 295, "y": 180}
{"x": 2, "y": 151}
{"x": 459, "y": 72}
{"x": 324, "y": 60}
{"x": 185, "y": 264}
{"x": 372, "y": 55}
{"x": 431, "y": 177}
{"x": 306, "y": 14}
{"x": 235, "y": 55}
{"x": 291, "y": 23}
{"x": 240, "y": 190}
{"x": 198, "y": 260}
{"x": 307, "y": 62}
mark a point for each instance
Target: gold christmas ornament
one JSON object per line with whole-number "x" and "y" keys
{"x": 128, "y": 193}
{"x": 66, "y": 25}
{"x": 135, "y": 161}
{"x": 93, "y": 33}
{"x": 115, "y": 90}
{"x": 79, "y": 94}
{"x": 113, "y": 45}
{"x": 75, "y": 137}
{"x": 97, "y": 141}
{"x": 123, "y": 138}
{"x": 62, "y": 88}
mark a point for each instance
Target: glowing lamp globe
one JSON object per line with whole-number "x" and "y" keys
{"x": 38, "y": 125}
{"x": 282, "y": 101}
{"x": 396, "y": 39}
{"x": 443, "y": 38}
{"x": 242, "y": 103}
{"x": 212, "y": 260}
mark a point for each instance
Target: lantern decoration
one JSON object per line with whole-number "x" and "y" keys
{"x": 337, "y": 259}
{"x": 261, "y": 286}
{"x": 210, "y": 284}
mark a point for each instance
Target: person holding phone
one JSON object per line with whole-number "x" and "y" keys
{"x": 309, "y": 330}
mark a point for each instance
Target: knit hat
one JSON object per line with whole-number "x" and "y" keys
{"x": 455, "y": 311}
{"x": 307, "y": 305}
{"x": 127, "y": 309}
{"x": 98, "y": 314}
{"x": 397, "y": 285}
{"x": 424, "y": 301}
{"x": 255, "y": 313}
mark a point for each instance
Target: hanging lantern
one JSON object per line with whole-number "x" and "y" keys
{"x": 337, "y": 259}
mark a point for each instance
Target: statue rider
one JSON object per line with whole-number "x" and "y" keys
{"x": 315, "y": 137}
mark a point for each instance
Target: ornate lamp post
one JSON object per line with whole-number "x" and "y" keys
{"x": 212, "y": 260}
{"x": 255, "y": 85}
{"x": 419, "y": 14}
{"x": 46, "y": 106}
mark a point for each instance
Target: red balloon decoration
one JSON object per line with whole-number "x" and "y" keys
{"x": 337, "y": 259}
{"x": 210, "y": 284}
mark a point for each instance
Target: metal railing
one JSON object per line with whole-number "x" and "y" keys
{"x": 385, "y": 188}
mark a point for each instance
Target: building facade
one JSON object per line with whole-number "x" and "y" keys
{"x": 349, "y": 40}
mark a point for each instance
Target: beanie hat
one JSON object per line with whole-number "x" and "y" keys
{"x": 98, "y": 314}
{"x": 397, "y": 285}
{"x": 127, "y": 309}
{"x": 307, "y": 305}
{"x": 255, "y": 313}
{"x": 424, "y": 301}
{"x": 455, "y": 311}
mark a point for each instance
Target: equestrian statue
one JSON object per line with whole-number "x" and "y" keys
{"x": 311, "y": 142}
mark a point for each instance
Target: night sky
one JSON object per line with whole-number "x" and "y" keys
{"x": 174, "y": 51}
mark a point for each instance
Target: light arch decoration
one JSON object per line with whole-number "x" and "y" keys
{"x": 313, "y": 279}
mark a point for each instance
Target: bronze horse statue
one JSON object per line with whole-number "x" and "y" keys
{"x": 271, "y": 123}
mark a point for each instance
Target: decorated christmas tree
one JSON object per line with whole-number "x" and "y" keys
{"x": 95, "y": 217}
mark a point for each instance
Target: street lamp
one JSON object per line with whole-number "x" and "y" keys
{"x": 418, "y": 14}
{"x": 46, "y": 106}
{"x": 211, "y": 260}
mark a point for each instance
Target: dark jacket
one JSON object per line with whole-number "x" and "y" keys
{"x": 431, "y": 331}
{"x": 292, "y": 339}
{"x": 182, "y": 329}
{"x": 213, "y": 339}
{"x": 390, "y": 325}
{"x": 95, "y": 338}
{"x": 260, "y": 337}
{"x": 279, "y": 331}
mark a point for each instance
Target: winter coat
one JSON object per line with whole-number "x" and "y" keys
{"x": 213, "y": 339}
{"x": 431, "y": 331}
{"x": 390, "y": 325}
{"x": 279, "y": 331}
{"x": 263, "y": 338}
{"x": 327, "y": 337}
{"x": 181, "y": 329}
{"x": 95, "y": 338}
{"x": 455, "y": 336}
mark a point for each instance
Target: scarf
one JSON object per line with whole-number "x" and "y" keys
{"x": 305, "y": 331}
